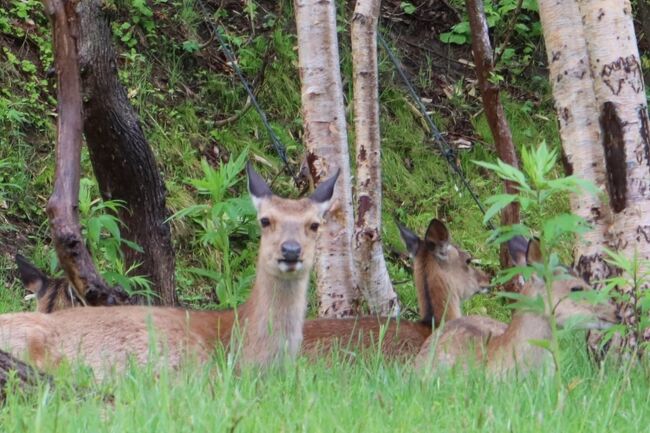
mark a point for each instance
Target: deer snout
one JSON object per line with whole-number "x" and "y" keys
{"x": 290, "y": 251}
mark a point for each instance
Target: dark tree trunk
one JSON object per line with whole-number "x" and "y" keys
{"x": 62, "y": 207}
{"x": 123, "y": 162}
{"x": 493, "y": 109}
{"x": 25, "y": 374}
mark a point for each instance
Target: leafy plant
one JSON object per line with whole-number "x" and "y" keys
{"x": 408, "y": 8}
{"x": 5, "y": 183}
{"x": 522, "y": 31}
{"x": 630, "y": 288}
{"x": 535, "y": 186}
{"x": 101, "y": 229}
{"x": 219, "y": 223}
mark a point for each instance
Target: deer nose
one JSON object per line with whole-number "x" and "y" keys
{"x": 290, "y": 250}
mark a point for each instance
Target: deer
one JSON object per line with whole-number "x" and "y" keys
{"x": 502, "y": 347}
{"x": 51, "y": 294}
{"x": 270, "y": 321}
{"x": 444, "y": 277}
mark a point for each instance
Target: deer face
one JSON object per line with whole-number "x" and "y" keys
{"x": 442, "y": 270}
{"x": 289, "y": 227}
{"x": 52, "y": 294}
{"x": 565, "y": 306}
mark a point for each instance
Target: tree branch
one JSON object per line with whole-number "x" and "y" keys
{"x": 25, "y": 374}
{"x": 63, "y": 205}
{"x": 493, "y": 109}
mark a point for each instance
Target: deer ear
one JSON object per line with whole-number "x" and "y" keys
{"x": 534, "y": 252}
{"x": 438, "y": 236}
{"x": 324, "y": 192}
{"x": 411, "y": 240}
{"x": 257, "y": 188}
{"x": 32, "y": 278}
{"x": 517, "y": 248}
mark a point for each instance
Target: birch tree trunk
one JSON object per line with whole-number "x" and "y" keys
{"x": 623, "y": 113}
{"x": 577, "y": 112}
{"x": 374, "y": 280}
{"x": 327, "y": 145}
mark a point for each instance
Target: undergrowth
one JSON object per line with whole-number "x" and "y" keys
{"x": 195, "y": 116}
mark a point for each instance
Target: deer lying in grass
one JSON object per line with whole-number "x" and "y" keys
{"x": 443, "y": 274}
{"x": 505, "y": 347}
{"x": 271, "y": 320}
{"x": 444, "y": 277}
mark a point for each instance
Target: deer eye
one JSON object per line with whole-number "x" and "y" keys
{"x": 314, "y": 227}
{"x": 265, "y": 222}
{"x": 577, "y": 289}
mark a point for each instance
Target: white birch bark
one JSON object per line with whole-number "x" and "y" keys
{"x": 575, "y": 104}
{"x": 623, "y": 115}
{"x": 623, "y": 112}
{"x": 373, "y": 278}
{"x": 327, "y": 144}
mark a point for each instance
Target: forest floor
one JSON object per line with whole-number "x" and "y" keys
{"x": 193, "y": 108}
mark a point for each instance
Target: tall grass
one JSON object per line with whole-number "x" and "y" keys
{"x": 369, "y": 395}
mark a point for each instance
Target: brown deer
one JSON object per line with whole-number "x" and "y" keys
{"x": 51, "y": 294}
{"x": 444, "y": 277}
{"x": 271, "y": 320}
{"x": 504, "y": 347}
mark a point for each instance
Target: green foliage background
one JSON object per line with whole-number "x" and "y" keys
{"x": 181, "y": 87}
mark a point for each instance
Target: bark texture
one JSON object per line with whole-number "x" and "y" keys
{"x": 374, "y": 281}
{"x": 24, "y": 374}
{"x": 327, "y": 144}
{"x": 621, "y": 100}
{"x": 122, "y": 160}
{"x": 483, "y": 59}
{"x": 577, "y": 112}
{"x": 62, "y": 207}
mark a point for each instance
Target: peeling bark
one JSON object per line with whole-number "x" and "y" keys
{"x": 62, "y": 207}
{"x": 122, "y": 160}
{"x": 374, "y": 280}
{"x": 494, "y": 112}
{"x": 575, "y": 105}
{"x": 327, "y": 144}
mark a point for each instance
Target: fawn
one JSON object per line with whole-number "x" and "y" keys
{"x": 271, "y": 320}
{"x": 505, "y": 347}
{"x": 444, "y": 277}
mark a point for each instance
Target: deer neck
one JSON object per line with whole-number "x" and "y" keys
{"x": 437, "y": 301}
{"x": 513, "y": 347}
{"x": 273, "y": 318}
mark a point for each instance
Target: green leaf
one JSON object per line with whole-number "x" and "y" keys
{"x": 93, "y": 229}
{"x": 523, "y": 302}
{"x": 189, "y": 211}
{"x": 408, "y": 8}
{"x": 134, "y": 246}
{"x": 544, "y": 344}
{"x": 213, "y": 275}
{"x": 110, "y": 223}
{"x": 191, "y": 46}
{"x": 508, "y": 274}
{"x": 498, "y": 202}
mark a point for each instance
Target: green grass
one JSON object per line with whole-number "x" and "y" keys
{"x": 332, "y": 396}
